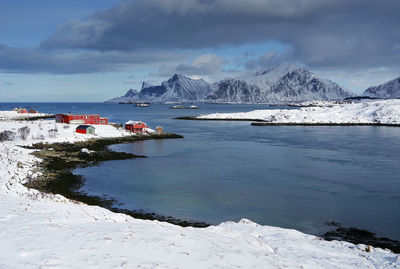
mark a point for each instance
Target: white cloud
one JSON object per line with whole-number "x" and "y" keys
{"x": 206, "y": 66}
{"x": 360, "y": 79}
{"x": 6, "y": 83}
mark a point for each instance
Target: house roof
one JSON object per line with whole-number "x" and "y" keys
{"x": 134, "y": 122}
{"x": 70, "y": 114}
{"x": 84, "y": 126}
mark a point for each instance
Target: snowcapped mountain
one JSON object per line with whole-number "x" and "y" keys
{"x": 235, "y": 91}
{"x": 130, "y": 97}
{"x": 390, "y": 89}
{"x": 177, "y": 89}
{"x": 284, "y": 83}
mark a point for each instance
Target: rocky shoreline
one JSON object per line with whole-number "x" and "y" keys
{"x": 59, "y": 159}
{"x": 259, "y": 122}
{"x": 321, "y": 124}
{"x": 32, "y": 118}
{"x": 216, "y": 119}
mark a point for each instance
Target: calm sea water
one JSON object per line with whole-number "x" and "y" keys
{"x": 288, "y": 176}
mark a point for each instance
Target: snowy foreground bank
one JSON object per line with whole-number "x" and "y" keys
{"x": 40, "y": 230}
{"x": 377, "y": 112}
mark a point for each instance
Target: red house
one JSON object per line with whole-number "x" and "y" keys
{"x": 80, "y": 119}
{"x": 135, "y": 126}
{"x": 22, "y": 110}
{"x": 85, "y": 129}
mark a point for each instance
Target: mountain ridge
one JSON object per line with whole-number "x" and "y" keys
{"x": 387, "y": 90}
{"x": 284, "y": 83}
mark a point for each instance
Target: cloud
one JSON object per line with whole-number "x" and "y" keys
{"x": 342, "y": 34}
{"x": 322, "y": 33}
{"x": 267, "y": 60}
{"x": 25, "y": 60}
{"x": 6, "y": 83}
{"x": 206, "y": 66}
{"x": 131, "y": 81}
{"x": 360, "y": 79}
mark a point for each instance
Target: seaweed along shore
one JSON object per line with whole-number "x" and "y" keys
{"x": 59, "y": 159}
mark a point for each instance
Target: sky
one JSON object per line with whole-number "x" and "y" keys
{"x": 93, "y": 50}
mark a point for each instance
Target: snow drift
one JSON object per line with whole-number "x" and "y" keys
{"x": 376, "y": 112}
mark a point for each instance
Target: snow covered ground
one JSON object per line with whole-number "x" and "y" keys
{"x": 7, "y": 115}
{"x": 40, "y": 230}
{"x": 375, "y": 112}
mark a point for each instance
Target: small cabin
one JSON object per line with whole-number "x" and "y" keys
{"x": 22, "y": 110}
{"x": 159, "y": 130}
{"x": 135, "y": 126}
{"x": 32, "y": 111}
{"x": 80, "y": 119}
{"x": 85, "y": 129}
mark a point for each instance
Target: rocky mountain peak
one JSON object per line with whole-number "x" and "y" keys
{"x": 390, "y": 89}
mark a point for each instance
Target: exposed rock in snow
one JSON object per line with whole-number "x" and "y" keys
{"x": 130, "y": 97}
{"x": 284, "y": 83}
{"x": 390, "y": 89}
{"x": 146, "y": 85}
{"x": 177, "y": 89}
{"x": 376, "y": 112}
{"x": 236, "y": 91}
{"x": 39, "y": 230}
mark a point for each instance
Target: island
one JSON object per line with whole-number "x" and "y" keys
{"x": 376, "y": 112}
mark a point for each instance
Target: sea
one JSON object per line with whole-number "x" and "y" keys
{"x": 296, "y": 177}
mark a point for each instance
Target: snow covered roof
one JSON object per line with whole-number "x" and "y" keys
{"x": 134, "y": 122}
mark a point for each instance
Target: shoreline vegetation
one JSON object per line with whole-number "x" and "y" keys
{"x": 59, "y": 159}
{"x": 32, "y": 118}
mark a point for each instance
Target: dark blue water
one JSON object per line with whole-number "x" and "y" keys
{"x": 288, "y": 176}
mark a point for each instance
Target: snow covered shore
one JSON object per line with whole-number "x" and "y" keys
{"x": 40, "y": 230}
{"x": 8, "y": 115}
{"x": 385, "y": 112}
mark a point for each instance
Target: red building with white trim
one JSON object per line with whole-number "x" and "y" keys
{"x": 80, "y": 119}
{"x": 135, "y": 126}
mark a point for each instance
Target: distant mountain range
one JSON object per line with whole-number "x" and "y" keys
{"x": 284, "y": 83}
{"x": 390, "y": 89}
{"x": 177, "y": 89}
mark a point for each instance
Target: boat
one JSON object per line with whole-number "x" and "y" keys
{"x": 142, "y": 105}
{"x": 193, "y": 107}
{"x": 177, "y": 107}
